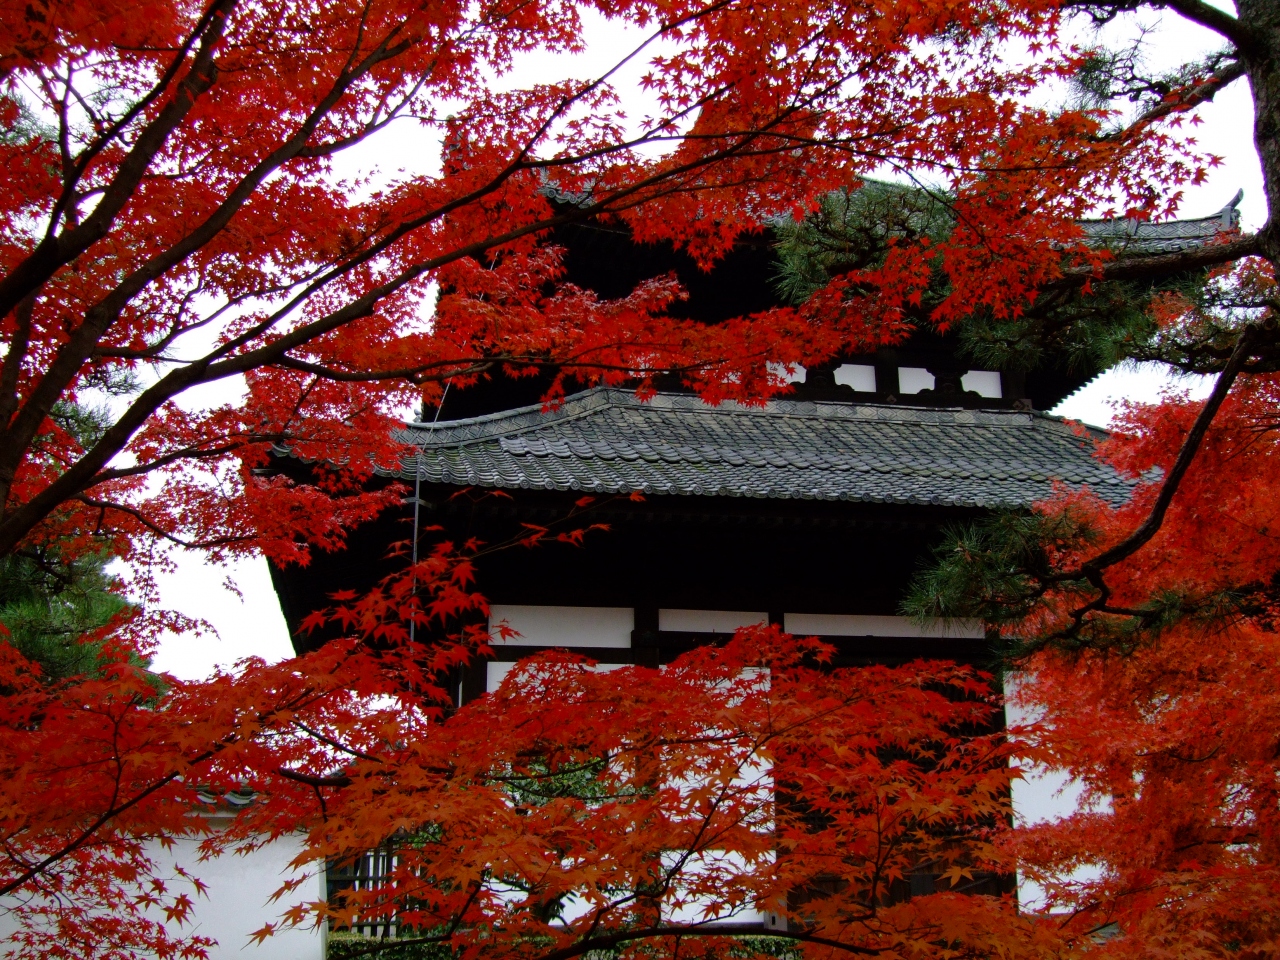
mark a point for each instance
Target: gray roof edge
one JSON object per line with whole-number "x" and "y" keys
{"x": 1070, "y": 423}
{"x": 521, "y": 419}
{"x": 1193, "y": 228}
{"x": 433, "y": 425}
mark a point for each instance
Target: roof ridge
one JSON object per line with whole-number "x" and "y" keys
{"x": 846, "y": 410}
{"x": 608, "y": 440}
{"x": 533, "y": 414}
{"x": 1139, "y": 229}
{"x": 518, "y": 420}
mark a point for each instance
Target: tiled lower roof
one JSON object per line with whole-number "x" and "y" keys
{"x": 607, "y": 441}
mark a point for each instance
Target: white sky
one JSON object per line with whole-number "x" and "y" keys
{"x": 251, "y": 624}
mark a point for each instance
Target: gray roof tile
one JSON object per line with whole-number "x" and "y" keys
{"x": 1141, "y": 238}
{"x": 608, "y": 441}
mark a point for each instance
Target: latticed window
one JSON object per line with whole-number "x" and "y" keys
{"x": 370, "y": 872}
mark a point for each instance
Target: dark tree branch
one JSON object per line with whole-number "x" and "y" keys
{"x": 604, "y": 941}
{"x": 313, "y": 781}
{"x": 1219, "y": 21}
{"x": 323, "y": 738}
{"x": 11, "y": 370}
{"x": 1190, "y": 445}
{"x": 607, "y": 940}
{"x": 216, "y": 9}
{"x": 158, "y": 530}
{"x": 99, "y": 319}
{"x": 1194, "y": 96}
{"x": 54, "y": 251}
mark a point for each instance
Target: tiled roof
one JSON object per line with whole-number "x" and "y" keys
{"x": 1139, "y": 238}
{"x": 608, "y": 441}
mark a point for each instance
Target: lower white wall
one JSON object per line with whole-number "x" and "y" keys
{"x": 709, "y": 621}
{"x": 1041, "y": 795}
{"x": 563, "y": 626}
{"x": 496, "y": 672}
{"x": 235, "y": 903}
{"x": 847, "y": 625}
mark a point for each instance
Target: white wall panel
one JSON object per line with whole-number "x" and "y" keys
{"x": 779, "y": 370}
{"x": 236, "y": 901}
{"x": 860, "y": 376}
{"x": 564, "y": 626}
{"x": 985, "y": 383}
{"x": 495, "y": 673}
{"x": 843, "y": 625}
{"x": 708, "y": 621}
{"x": 913, "y": 380}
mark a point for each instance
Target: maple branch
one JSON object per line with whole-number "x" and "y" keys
{"x": 314, "y": 781}
{"x": 114, "y": 809}
{"x": 1202, "y": 92}
{"x": 604, "y": 941}
{"x": 358, "y": 754}
{"x": 445, "y": 370}
{"x": 607, "y": 940}
{"x": 11, "y": 369}
{"x": 87, "y": 156}
{"x": 38, "y": 867}
{"x": 1190, "y": 445}
{"x": 100, "y": 317}
{"x": 184, "y": 453}
{"x": 461, "y": 367}
{"x": 155, "y": 528}
{"x": 52, "y": 252}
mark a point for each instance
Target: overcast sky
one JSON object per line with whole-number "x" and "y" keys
{"x": 251, "y": 624}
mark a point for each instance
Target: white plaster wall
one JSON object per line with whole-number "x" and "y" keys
{"x": 696, "y": 909}
{"x": 914, "y": 379}
{"x": 235, "y": 903}
{"x": 564, "y": 626}
{"x": 985, "y": 383}
{"x": 1041, "y": 796}
{"x": 779, "y": 370}
{"x": 843, "y": 625}
{"x": 495, "y": 672}
{"x": 860, "y": 376}
{"x": 708, "y": 621}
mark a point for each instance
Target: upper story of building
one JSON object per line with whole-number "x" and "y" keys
{"x": 824, "y": 501}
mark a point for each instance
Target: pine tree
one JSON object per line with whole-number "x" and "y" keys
{"x": 57, "y": 610}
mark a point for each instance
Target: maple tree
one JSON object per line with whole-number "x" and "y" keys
{"x": 1145, "y": 631}
{"x": 176, "y": 213}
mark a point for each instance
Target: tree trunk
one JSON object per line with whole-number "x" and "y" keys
{"x": 1261, "y": 20}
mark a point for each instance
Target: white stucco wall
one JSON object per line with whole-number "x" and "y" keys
{"x": 709, "y": 621}
{"x": 539, "y": 626}
{"x": 236, "y": 901}
{"x": 1042, "y": 795}
{"x": 858, "y": 625}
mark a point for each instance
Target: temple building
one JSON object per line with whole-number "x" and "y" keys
{"x": 812, "y": 511}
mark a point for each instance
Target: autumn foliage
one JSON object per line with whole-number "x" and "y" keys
{"x": 1146, "y": 633}
{"x": 181, "y": 209}
{"x": 1173, "y": 736}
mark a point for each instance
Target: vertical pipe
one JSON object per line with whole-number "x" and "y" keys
{"x": 417, "y": 505}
